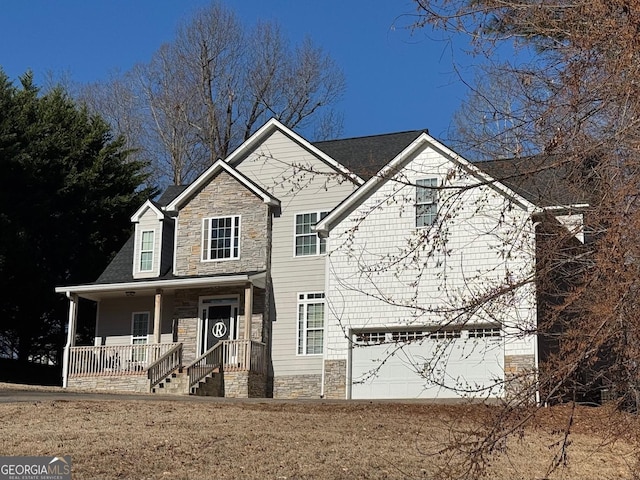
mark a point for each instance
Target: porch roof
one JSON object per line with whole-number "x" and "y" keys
{"x": 168, "y": 283}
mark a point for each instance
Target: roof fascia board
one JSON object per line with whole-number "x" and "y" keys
{"x": 274, "y": 125}
{"x": 324, "y": 226}
{"x": 177, "y": 202}
{"x": 135, "y": 218}
{"x": 150, "y": 285}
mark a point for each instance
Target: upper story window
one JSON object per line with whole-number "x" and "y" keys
{"x": 307, "y": 241}
{"x": 310, "y": 323}
{"x": 146, "y": 250}
{"x": 221, "y": 238}
{"x": 426, "y": 201}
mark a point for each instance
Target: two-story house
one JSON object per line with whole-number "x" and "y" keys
{"x": 225, "y": 287}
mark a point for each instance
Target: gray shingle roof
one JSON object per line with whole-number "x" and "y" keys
{"x": 121, "y": 267}
{"x": 543, "y": 180}
{"x": 170, "y": 194}
{"x": 365, "y": 156}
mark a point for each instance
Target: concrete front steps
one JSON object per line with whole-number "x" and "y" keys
{"x": 178, "y": 384}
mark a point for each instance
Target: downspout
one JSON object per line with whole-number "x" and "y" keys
{"x": 326, "y": 315}
{"x": 535, "y": 337}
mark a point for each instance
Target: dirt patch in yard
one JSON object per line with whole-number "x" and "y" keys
{"x": 149, "y": 439}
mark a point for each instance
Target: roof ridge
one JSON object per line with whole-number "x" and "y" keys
{"x": 425, "y": 130}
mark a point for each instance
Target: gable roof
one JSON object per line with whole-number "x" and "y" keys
{"x": 399, "y": 162}
{"x": 274, "y": 125}
{"x": 148, "y": 205}
{"x": 213, "y": 170}
{"x": 366, "y": 156}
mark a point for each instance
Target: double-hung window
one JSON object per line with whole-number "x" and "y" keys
{"x": 426, "y": 201}
{"x": 307, "y": 241}
{"x": 310, "y": 323}
{"x": 146, "y": 250}
{"x": 139, "y": 334}
{"x": 221, "y": 238}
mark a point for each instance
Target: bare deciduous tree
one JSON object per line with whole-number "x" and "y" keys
{"x": 210, "y": 88}
{"x": 572, "y": 113}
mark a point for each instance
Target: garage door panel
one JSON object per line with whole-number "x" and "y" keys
{"x": 396, "y": 370}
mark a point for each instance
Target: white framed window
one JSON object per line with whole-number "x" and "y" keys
{"x": 448, "y": 334}
{"x": 310, "y": 323}
{"x": 307, "y": 241}
{"x": 371, "y": 338}
{"x": 221, "y": 238}
{"x": 147, "y": 238}
{"x": 426, "y": 201}
{"x": 139, "y": 334}
{"x": 485, "y": 332}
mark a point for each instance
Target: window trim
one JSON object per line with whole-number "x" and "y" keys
{"x": 136, "y": 355}
{"x": 431, "y": 202}
{"x": 302, "y": 325}
{"x": 319, "y": 243}
{"x": 205, "y": 250}
{"x": 141, "y": 250}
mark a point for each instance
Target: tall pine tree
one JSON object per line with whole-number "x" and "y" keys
{"x": 67, "y": 190}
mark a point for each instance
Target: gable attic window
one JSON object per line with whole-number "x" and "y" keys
{"x": 146, "y": 250}
{"x": 426, "y": 202}
{"x": 221, "y": 238}
{"x": 307, "y": 241}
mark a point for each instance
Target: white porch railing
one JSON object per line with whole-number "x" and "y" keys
{"x": 230, "y": 356}
{"x": 165, "y": 365}
{"x": 239, "y": 355}
{"x": 115, "y": 359}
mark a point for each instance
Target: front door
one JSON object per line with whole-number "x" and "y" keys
{"x": 219, "y": 322}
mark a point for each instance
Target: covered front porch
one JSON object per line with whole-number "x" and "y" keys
{"x": 170, "y": 336}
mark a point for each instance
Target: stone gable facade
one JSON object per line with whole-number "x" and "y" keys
{"x": 223, "y": 196}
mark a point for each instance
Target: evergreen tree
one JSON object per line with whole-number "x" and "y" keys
{"x": 67, "y": 190}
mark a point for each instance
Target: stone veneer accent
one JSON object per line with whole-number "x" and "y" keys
{"x": 223, "y": 196}
{"x": 297, "y": 386}
{"x": 114, "y": 383}
{"x": 335, "y": 379}
{"x": 245, "y": 385}
{"x": 519, "y": 374}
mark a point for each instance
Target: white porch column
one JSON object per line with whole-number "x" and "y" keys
{"x": 71, "y": 335}
{"x": 248, "y": 309}
{"x": 157, "y": 317}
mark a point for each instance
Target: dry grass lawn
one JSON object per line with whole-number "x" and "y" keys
{"x": 151, "y": 439}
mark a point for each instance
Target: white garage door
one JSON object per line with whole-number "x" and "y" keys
{"x": 427, "y": 364}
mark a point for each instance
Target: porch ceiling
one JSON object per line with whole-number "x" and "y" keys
{"x": 97, "y": 292}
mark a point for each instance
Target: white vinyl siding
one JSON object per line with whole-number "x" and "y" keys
{"x": 426, "y": 201}
{"x": 289, "y": 273}
{"x": 147, "y": 246}
{"x": 221, "y": 238}
{"x": 146, "y": 250}
{"x": 373, "y": 286}
{"x": 307, "y": 241}
{"x": 310, "y": 323}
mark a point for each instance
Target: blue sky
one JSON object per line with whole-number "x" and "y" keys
{"x": 395, "y": 80}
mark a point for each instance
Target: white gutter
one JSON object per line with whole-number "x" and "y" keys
{"x": 576, "y": 206}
